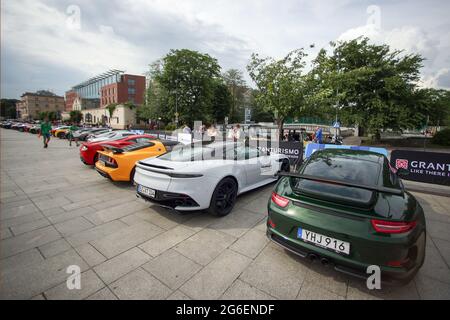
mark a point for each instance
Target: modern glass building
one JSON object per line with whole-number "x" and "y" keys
{"x": 90, "y": 89}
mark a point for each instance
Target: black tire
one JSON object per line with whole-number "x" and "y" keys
{"x": 132, "y": 175}
{"x": 95, "y": 158}
{"x": 223, "y": 198}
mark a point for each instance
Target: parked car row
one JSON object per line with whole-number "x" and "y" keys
{"x": 345, "y": 208}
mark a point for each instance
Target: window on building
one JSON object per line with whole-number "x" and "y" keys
{"x": 131, "y": 82}
{"x": 131, "y": 91}
{"x": 131, "y": 99}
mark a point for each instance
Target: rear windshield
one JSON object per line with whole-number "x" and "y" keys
{"x": 344, "y": 169}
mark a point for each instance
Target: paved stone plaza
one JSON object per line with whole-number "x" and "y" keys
{"x": 56, "y": 212}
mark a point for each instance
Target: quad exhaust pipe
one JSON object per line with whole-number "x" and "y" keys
{"x": 325, "y": 262}
{"x": 313, "y": 257}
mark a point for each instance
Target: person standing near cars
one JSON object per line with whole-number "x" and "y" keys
{"x": 318, "y": 135}
{"x": 46, "y": 128}
{"x": 212, "y": 132}
{"x": 186, "y": 129}
{"x": 72, "y": 130}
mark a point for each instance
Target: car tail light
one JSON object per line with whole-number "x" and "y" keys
{"x": 397, "y": 263}
{"x": 271, "y": 224}
{"x": 279, "y": 200}
{"x": 391, "y": 227}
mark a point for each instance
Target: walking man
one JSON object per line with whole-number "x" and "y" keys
{"x": 72, "y": 130}
{"x": 45, "y": 132}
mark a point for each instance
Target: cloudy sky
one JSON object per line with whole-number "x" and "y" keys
{"x": 55, "y": 44}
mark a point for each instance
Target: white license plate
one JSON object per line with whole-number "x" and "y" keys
{"x": 147, "y": 191}
{"x": 324, "y": 241}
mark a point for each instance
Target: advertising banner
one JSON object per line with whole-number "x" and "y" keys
{"x": 313, "y": 147}
{"x": 292, "y": 149}
{"x": 428, "y": 167}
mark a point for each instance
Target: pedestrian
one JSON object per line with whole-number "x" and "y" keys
{"x": 46, "y": 128}
{"x": 186, "y": 129}
{"x": 212, "y": 132}
{"x": 71, "y": 132}
{"x": 236, "y": 133}
{"x": 318, "y": 135}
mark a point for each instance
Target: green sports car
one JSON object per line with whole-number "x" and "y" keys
{"x": 349, "y": 209}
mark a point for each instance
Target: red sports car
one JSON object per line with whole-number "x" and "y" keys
{"x": 88, "y": 150}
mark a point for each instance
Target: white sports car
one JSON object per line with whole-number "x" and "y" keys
{"x": 112, "y": 135}
{"x": 206, "y": 176}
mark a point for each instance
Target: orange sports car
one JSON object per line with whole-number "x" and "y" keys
{"x": 118, "y": 164}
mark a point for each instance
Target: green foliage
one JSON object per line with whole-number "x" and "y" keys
{"x": 76, "y": 116}
{"x": 189, "y": 83}
{"x": 442, "y": 137}
{"x": 130, "y": 105}
{"x": 370, "y": 85}
{"x": 281, "y": 84}
{"x": 221, "y": 103}
{"x": 111, "y": 108}
{"x": 189, "y": 79}
{"x": 435, "y": 103}
{"x": 8, "y": 108}
{"x": 156, "y": 103}
{"x": 235, "y": 82}
{"x": 170, "y": 127}
{"x": 49, "y": 115}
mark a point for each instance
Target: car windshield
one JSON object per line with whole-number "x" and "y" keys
{"x": 210, "y": 151}
{"x": 188, "y": 153}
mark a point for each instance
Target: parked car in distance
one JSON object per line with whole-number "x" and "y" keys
{"x": 58, "y": 129}
{"x": 349, "y": 209}
{"x": 118, "y": 164}
{"x": 61, "y": 132}
{"x": 111, "y": 135}
{"x": 84, "y": 134}
{"x": 35, "y": 129}
{"x": 89, "y": 150}
{"x": 206, "y": 176}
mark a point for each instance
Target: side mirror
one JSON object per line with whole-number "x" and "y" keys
{"x": 402, "y": 172}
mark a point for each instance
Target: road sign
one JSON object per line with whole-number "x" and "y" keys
{"x": 248, "y": 115}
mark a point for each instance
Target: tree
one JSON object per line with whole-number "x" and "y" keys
{"x": 236, "y": 84}
{"x": 280, "y": 84}
{"x": 76, "y": 116}
{"x": 370, "y": 85}
{"x": 189, "y": 78}
{"x": 436, "y": 105}
{"x": 222, "y": 102}
{"x": 8, "y": 108}
{"x": 156, "y": 105}
{"x": 49, "y": 115}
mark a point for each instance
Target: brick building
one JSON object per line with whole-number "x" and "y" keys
{"x": 130, "y": 88}
{"x": 110, "y": 87}
{"x": 33, "y": 103}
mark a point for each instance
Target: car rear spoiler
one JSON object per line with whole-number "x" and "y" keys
{"x": 115, "y": 150}
{"x": 341, "y": 182}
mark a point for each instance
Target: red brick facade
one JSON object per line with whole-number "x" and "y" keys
{"x": 71, "y": 96}
{"x": 131, "y": 88}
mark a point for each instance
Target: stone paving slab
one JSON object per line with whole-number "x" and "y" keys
{"x": 56, "y": 212}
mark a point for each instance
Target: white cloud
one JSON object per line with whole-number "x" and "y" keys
{"x": 37, "y": 43}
